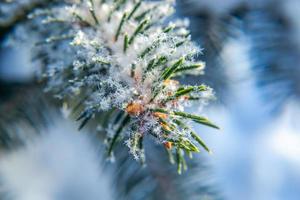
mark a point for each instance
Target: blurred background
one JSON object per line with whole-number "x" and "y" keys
{"x": 252, "y": 52}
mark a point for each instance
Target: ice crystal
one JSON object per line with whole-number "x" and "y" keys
{"x": 121, "y": 59}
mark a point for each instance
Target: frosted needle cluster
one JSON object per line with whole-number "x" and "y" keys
{"x": 119, "y": 59}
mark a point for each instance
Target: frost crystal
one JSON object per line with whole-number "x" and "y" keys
{"x": 120, "y": 59}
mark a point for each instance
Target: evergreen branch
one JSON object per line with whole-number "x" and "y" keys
{"x": 126, "y": 82}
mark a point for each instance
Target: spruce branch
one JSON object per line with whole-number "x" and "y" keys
{"x": 119, "y": 58}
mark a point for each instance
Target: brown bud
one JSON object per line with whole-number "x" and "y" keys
{"x": 170, "y": 82}
{"x": 134, "y": 108}
{"x": 168, "y": 145}
{"x": 165, "y": 127}
{"x": 160, "y": 115}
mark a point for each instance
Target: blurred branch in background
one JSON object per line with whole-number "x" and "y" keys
{"x": 43, "y": 156}
{"x": 275, "y": 54}
{"x": 23, "y": 110}
{"x": 13, "y": 12}
{"x": 210, "y": 31}
{"x": 271, "y": 26}
{"x": 259, "y": 58}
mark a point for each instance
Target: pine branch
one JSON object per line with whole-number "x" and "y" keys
{"x": 126, "y": 60}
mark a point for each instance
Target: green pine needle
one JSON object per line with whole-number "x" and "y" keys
{"x": 170, "y": 70}
{"x": 138, "y": 30}
{"x": 120, "y": 26}
{"x": 135, "y": 8}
